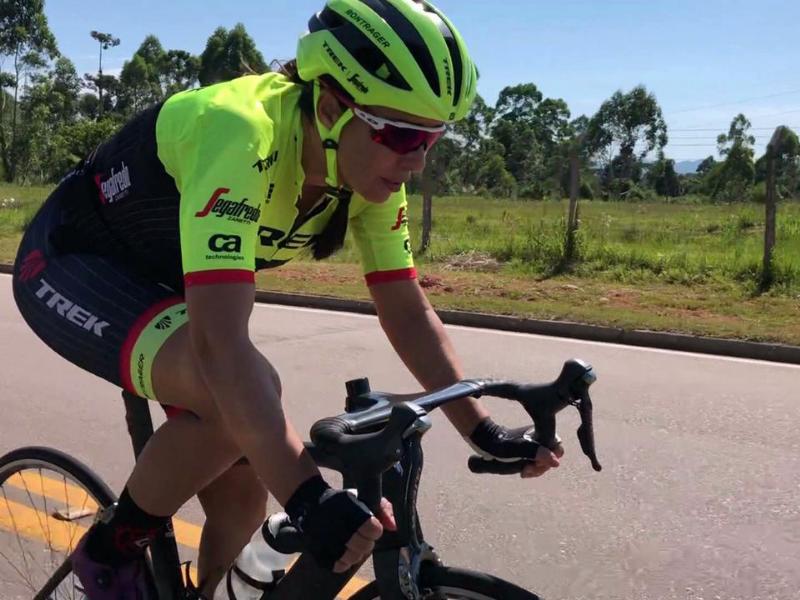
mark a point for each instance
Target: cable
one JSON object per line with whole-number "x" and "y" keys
{"x": 685, "y": 110}
{"x": 718, "y": 128}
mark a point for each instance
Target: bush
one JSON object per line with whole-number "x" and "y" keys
{"x": 759, "y": 193}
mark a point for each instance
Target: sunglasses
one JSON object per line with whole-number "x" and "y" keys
{"x": 398, "y": 136}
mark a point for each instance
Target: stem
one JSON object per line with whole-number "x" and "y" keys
{"x": 13, "y": 161}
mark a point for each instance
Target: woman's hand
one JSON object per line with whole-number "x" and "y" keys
{"x": 496, "y": 442}
{"x": 546, "y": 459}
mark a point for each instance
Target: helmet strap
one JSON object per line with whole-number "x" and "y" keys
{"x": 330, "y": 138}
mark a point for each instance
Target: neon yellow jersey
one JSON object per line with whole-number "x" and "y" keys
{"x": 234, "y": 150}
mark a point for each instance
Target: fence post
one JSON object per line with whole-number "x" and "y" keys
{"x": 771, "y": 212}
{"x": 572, "y": 214}
{"x": 427, "y": 209}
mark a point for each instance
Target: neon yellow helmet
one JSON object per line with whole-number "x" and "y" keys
{"x": 402, "y": 54}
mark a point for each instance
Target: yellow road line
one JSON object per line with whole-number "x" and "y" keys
{"x": 62, "y": 491}
{"x": 63, "y": 535}
{"x": 73, "y": 497}
{"x": 33, "y": 524}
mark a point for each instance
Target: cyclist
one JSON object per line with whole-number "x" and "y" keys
{"x": 140, "y": 269}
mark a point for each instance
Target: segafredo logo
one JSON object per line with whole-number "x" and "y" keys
{"x": 116, "y": 186}
{"x": 240, "y": 211}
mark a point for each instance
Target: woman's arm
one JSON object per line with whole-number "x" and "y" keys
{"x": 417, "y": 335}
{"x": 245, "y": 386}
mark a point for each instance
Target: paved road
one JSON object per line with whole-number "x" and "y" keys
{"x": 699, "y": 497}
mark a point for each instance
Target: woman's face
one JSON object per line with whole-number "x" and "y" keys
{"x": 371, "y": 169}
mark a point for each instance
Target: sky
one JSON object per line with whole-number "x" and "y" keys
{"x": 705, "y": 60}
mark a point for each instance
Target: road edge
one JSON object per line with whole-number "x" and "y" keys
{"x": 782, "y": 353}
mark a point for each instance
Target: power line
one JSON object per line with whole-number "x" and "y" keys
{"x": 725, "y": 127}
{"x": 685, "y": 110}
{"x": 682, "y": 137}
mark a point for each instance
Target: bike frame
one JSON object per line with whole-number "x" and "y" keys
{"x": 397, "y": 557}
{"x": 377, "y": 446}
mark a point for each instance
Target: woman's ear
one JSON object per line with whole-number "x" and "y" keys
{"x": 328, "y": 108}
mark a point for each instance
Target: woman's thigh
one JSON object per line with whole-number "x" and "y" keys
{"x": 93, "y": 310}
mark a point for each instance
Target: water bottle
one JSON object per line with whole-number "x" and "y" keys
{"x": 258, "y": 567}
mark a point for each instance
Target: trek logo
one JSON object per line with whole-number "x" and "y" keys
{"x": 240, "y": 211}
{"x": 364, "y": 24}
{"x": 263, "y": 164}
{"x": 115, "y": 187}
{"x": 274, "y": 237}
{"x": 70, "y": 311}
{"x": 337, "y": 61}
{"x": 402, "y": 218}
{"x": 164, "y": 323}
{"x": 32, "y": 265}
{"x": 225, "y": 243}
{"x": 358, "y": 83}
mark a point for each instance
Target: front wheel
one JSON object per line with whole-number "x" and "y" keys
{"x": 449, "y": 583}
{"x": 48, "y": 499}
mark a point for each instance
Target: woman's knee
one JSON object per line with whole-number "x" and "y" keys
{"x": 178, "y": 382}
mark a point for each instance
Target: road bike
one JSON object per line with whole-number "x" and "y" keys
{"x": 376, "y": 444}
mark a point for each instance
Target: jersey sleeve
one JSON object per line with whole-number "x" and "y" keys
{"x": 221, "y": 198}
{"x": 381, "y": 234}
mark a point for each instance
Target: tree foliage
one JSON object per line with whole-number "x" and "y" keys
{"x": 629, "y": 126}
{"x": 230, "y": 54}
{"x": 520, "y": 146}
{"x": 26, "y": 37}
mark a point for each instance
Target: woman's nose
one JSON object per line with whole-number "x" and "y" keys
{"x": 414, "y": 161}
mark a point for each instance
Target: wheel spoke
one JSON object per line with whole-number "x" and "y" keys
{"x": 42, "y": 545}
{"x": 19, "y": 538}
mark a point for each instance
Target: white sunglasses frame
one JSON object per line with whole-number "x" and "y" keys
{"x": 379, "y": 123}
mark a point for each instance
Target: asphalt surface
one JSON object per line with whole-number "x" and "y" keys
{"x": 698, "y": 498}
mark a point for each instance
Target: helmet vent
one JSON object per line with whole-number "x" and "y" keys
{"x": 411, "y": 37}
{"x": 452, "y": 46}
{"x": 360, "y": 46}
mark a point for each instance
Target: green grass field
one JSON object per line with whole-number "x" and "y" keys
{"x": 683, "y": 266}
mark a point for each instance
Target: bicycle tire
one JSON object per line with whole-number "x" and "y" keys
{"x": 77, "y": 477}
{"x": 457, "y": 584}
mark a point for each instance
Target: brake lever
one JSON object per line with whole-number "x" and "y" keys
{"x": 571, "y": 387}
{"x": 586, "y": 429}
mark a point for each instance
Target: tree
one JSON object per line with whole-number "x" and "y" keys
{"x": 111, "y": 87}
{"x": 49, "y": 104}
{"x": 180, "y": 71}
{"x": 706, "y": 165}
{"x": 634, "y": 124}
{"x": 135, "y": 82}
{"x": 24, "y": 35}
{"x": 66, "y": 89}
{"x": 663, "y": 178}
{"x": 106, "y": 41}
{"x": 471, "y": 142}
{"x": 229, "y": 54}
{"x": 737, "y": 135}
{"x": 732, "y": 179}
{"x": 529, "y": 127}
{"x": 153, "y": 74}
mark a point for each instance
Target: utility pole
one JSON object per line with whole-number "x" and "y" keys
{"x": 106, "y": 41}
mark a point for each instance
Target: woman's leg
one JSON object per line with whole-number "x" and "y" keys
{"x": 197, "y": 457}
{"x": 235, "y": 505}
{"x": 112, "y": 322}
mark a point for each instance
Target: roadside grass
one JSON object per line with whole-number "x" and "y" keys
{"x": 18, "y": 204}
{"x": 680, "y": 266}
